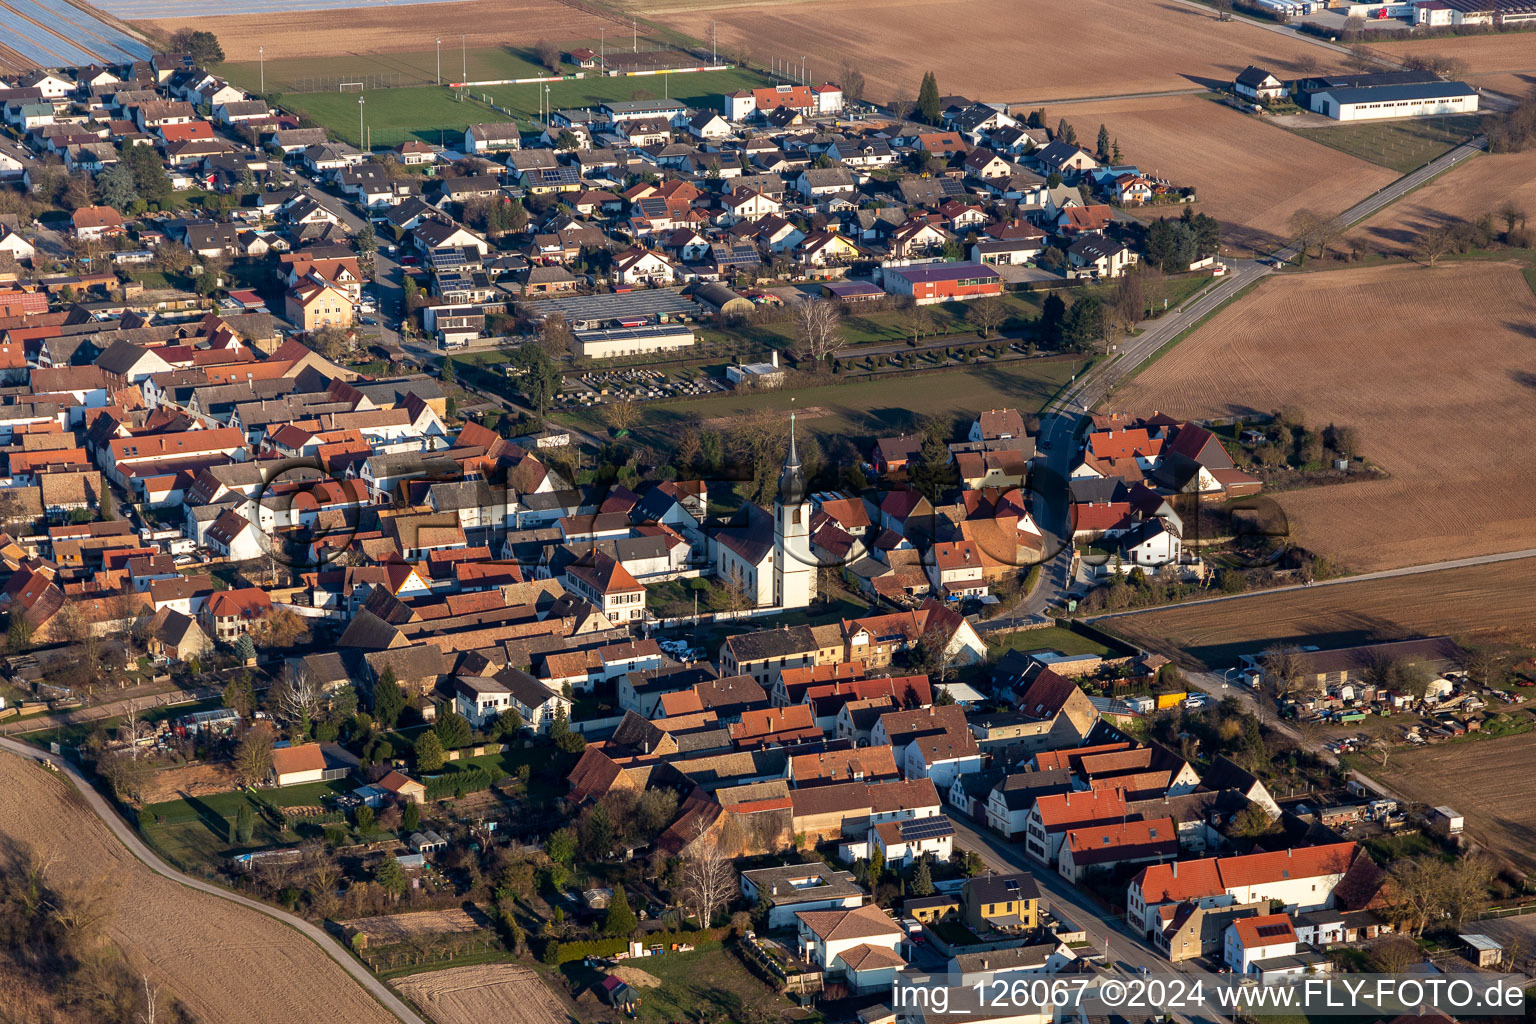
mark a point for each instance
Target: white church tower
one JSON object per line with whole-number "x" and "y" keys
{"x": 794, "y": 568}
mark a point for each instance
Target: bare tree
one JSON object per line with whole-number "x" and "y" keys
{"x": 1305, "y": 65}
{"x": 1393, "y": 954}
{"x": 1483, "y": 664}
{"x": 297, "y": 694}
{"x": 622, "y": 411}
{"x": 555, "y": 336}
{"x": 935, "y": 655}
{"x": 1433, "y": 244}
{"x": 253, "y": 758}
{"x": 1467, "y": 887}
{"x": 1360, "y": 57}
{"x": 901, "y": 106}
{"x": 853, "y": 82}
{"x": 151, "y": 1000}
{"x": 988, "y": 314}
{"x": 708, "y": 882}
{"x": 818, "y": 329}
{"x": 916, "y": 321}
{"x": 1284, "y": 672}
{"x": 549, "y": 55}
{"x": 1304, "y": 227}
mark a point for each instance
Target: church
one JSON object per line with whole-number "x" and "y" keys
{"x": 769, "y": 556}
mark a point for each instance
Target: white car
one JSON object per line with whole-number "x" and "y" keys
{"x": 1195, "y": 700}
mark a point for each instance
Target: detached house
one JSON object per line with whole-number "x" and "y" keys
{"x": 860, "y": 946}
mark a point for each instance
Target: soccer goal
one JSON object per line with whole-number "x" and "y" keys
{"x": 349, "y": 87}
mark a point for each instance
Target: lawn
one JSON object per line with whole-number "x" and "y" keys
{"x": 710, "y": 984}
{"x": 885, "y": 327}
{"x": 1052, "y": 638}
{"x": 193, "y": 832}
{"x": 866, "y": 409}
{"x": 1403, "y": 145}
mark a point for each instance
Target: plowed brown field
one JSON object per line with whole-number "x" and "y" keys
{"x": 1480, "y": 604}
{"x": 1504, "y": 63}
{"x": 1484, "y": 184}
{"x": 474, "y": 995}
{"x": 226, "y": 963}
{"x": 1433, "y": 366}
{"x": 1250, "y": 175}
{"x": 405, "y": 28}
{"x": 421, "y": 924}
{"x": 993, "y": 50}
{"x": 1486, "y": 780}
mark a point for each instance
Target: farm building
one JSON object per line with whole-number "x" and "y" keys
{"x": 1372, "y": 103}
{"x": 928, "y": 283}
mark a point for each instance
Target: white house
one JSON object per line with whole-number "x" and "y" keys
{"x": 1369, "y": 103}
{"x": 644, "y": 267}
{"x": 861, "y": 946}
{"x": 903, "y": 842}
{"x": 482, "y": 699}
{"x": 1252, "y": 939}
{"x": 1258, "y": 84}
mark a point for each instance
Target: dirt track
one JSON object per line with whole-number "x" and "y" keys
{"x": 1431, "y": 365}
{"x": 227, "y": 963}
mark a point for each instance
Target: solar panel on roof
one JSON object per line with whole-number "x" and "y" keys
{"x": 926, "y": 828}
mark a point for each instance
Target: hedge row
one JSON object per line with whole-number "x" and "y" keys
{"x": 458, "y": 783}
{"x": 565, "y": 952}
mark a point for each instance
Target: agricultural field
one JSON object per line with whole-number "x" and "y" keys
{"x": 471, "y": 995}
{"x": 1435, "y": 378}
{"x": 1249, "y": 175}
{"x": 1504, "y": 62}
{"x": 422, "y": 924}
{"x": 1403, "y": 145}
{"x": 407, "y": 29}
{"x": 196, "y": 945}
{"x": 1483, "y": 605}
{"x": 865, "y": 409}
{"x": 1484, "y": 184}
{"x": 1164, "y": 46}
{"x": 1477, "y": 779}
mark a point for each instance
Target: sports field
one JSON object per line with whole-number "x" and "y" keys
{"x": 1431, "y": 365}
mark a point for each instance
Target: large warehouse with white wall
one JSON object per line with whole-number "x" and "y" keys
{"x": 1373, "y": 102}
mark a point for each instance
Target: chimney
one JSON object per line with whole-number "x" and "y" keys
{"x": 775, "y": 890}
{"x": 1175, "y": 869}
{"x": 985, "y": 963}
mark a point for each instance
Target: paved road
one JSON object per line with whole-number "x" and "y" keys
{"x": 130, "y": 839}
{"x": 1124, "y": 950}
{"x": 1384, "y": 574}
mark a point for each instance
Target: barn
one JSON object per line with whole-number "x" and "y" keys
{"x": 1371, "y": 103}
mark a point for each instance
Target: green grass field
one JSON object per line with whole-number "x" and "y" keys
{"x": 867, "y": 409}
{"x": 1052, "y": 638}
{"x": 710, "y": 984}
{"x": 193, "y": 832}
{"x": 411, "y": 105}
{"x": 1403, "y": 145}
{"x": 697, "y": 89}
{"x": 393, "y": 116}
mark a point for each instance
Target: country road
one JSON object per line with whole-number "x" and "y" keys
{"x": 129, "y": 838}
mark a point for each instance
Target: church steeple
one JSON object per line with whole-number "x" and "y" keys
{"x": 792, "y": 476}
